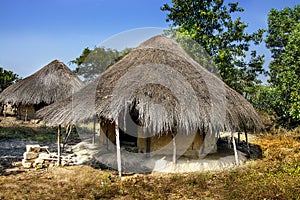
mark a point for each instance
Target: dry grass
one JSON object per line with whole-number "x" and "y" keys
{"x": 276, "y": 176}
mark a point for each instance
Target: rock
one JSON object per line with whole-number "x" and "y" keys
{"x": 44, "y": 156}
{"x": 26, "y": 164}
{"x": 33, "y": 148}
{"x": 30, "y": 155}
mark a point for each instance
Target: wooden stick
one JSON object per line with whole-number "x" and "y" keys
{"x": 247, "y": 142}
{"x": 58, "y": 145}
{"x": 26, "y": 115}
{"x": 235, "y": 151}
{"x": 106, "y": 139}
{"x": 148, "y": 146}
{"x": 94, "y": 131}
{"x": 118, "y": 148}
{"x": 68, "y": 132}
{"x": 174, "y": 149}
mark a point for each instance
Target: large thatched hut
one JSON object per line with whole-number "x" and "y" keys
{"x": 52, "y": 83}
{"x": 158, "y": 97}
{"x": 169, "y": 95}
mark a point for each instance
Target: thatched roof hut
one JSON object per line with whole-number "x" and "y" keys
{"x": 190, "y": 98}
{"x": 76, "y": 108}
{"x": 52, "y": 83}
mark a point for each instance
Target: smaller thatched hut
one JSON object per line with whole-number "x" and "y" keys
{"x": 52, "y": 83}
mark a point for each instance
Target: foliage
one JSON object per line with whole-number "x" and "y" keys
{"x": 210, "y": 23}
{"x": 283, "y": 40}
{"x": 7, "y": 78}
{"x": 91, "y": 63}
{"x": 263, "y": 97}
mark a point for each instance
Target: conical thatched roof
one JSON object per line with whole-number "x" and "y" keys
{"x": 163, "y": 89}
{"x": 76, "y": 108}
{"x": 52, "y": 83}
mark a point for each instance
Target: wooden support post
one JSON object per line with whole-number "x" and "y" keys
{"x": 239, "y": 138}
{"x": 118, "y": 148}
{"x": 106, "y": 138}
{"x": 58, "y": 145}
{"x": 94, "y": 131}
{"x": 235, "y": 150}
{"x": 26, "y": 115}
{"x": 68, "y": 133}
{"x": 148, "y": 146}
{"x": 174, "y": 149}
{"x": 4, "y": 110}
{"x": 247, "y": 142}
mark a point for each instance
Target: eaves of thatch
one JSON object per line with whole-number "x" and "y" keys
{"x": 52, "y": 83}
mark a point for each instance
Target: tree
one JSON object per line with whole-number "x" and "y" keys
{"x": 91, "y": 63}
{"x": 209, "y": 22}
{"x": 285, "y": 67}
{"x": 7, "y": 78}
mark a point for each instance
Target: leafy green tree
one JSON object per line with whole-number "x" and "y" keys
{"x": 91, "y": 63}
{"x": 210, "y": 23}
{"x": 285, "y": 69}
{"x": 7, "y": 78}
{"x": 283, "y": 40}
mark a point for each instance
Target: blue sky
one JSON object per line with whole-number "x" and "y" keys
{"x": 35, "y": 32}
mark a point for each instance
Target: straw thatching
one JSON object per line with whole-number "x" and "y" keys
{"x": 76, "y": 108}
{"x": 52, "y": 83}
{"x": 163, "y": 90}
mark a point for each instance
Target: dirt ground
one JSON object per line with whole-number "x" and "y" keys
{"x": 274, "y": 176}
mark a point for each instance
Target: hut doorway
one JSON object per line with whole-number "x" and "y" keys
{"x": 128, "y": 131}
{"x": 127, "y": 139}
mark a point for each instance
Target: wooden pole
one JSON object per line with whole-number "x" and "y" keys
{"x": 94, "y": 131}
{"x": 58, "y": 145}
{"x": 148, "y": 146}
{"x": 118, "y": 148}
{"x": 26, "y": 115}
{"x": 174, "y": 149}
{"x": 247, "y": 142}
{"x": 235, "y": 150}
{"x": 106, "y": 139}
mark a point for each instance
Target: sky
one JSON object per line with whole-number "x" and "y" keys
{"x": 35, "y": 32}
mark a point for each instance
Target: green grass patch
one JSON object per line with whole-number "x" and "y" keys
{"x": 39, "y": 134}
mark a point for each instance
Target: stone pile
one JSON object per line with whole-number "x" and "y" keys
{"x": 40, "y": 157}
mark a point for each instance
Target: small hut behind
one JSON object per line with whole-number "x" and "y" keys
{"x": 52, "y": 83}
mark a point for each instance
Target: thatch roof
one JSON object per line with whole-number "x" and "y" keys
{"x": 52, "y": 83}
{"x": 164, "y": 89}
{"x": 76, "y": 108}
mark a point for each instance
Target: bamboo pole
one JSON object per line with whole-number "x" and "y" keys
{"x": 58, "y": 145}
{"x": 247, "y": 142}
{"x": 94, "y": 131}
{"x": 26, "y": 115}
{"x": 174, "y": 149}
{"x": 118, "y": 148}
{"x": 235, "y": 150}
